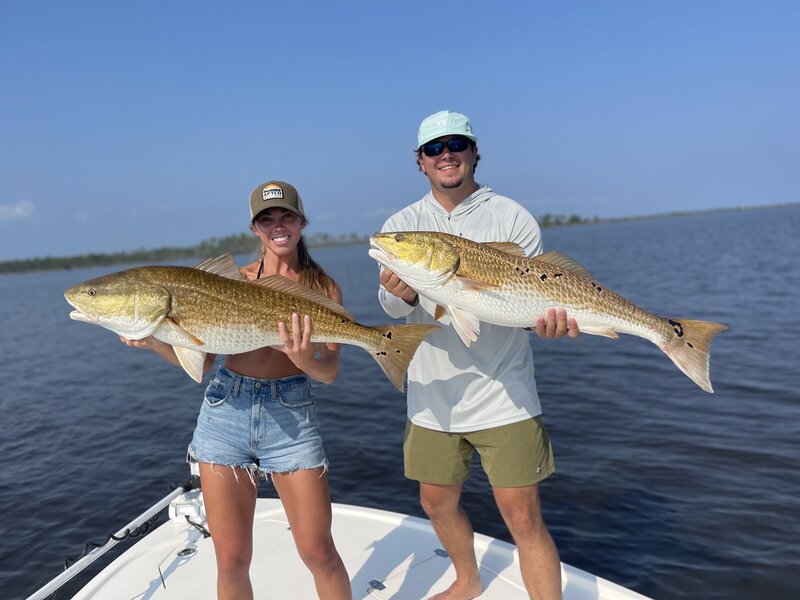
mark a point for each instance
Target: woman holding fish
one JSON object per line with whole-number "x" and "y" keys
{"x": 258, "y": 416}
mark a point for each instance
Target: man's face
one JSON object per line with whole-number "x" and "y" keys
{"x": 450, "y": 170}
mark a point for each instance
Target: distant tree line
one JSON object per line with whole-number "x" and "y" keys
{"x": 241, "y": 244}
{"x": 548, "y": 220}
{"x": 246, "y": 243}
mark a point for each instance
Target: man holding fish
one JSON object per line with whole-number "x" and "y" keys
{"x": 480, "y": 396}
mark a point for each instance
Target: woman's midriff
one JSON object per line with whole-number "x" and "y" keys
{"x": 263, "y": 363}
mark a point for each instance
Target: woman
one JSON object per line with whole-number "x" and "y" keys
{"x": 258, "y": 417}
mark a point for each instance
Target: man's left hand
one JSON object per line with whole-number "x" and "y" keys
{"x": 556, "y": 325}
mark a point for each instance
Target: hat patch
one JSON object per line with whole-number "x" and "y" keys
{"x": 271, "y": 192}
{"x": 448, "y": 123}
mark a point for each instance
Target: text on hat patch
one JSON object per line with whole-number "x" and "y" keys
{"x": 272, "y": 191}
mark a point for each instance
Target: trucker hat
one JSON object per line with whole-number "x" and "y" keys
{"x": 444, "y": 123}
{"x": 275, "y": 194}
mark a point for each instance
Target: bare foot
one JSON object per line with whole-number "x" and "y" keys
{"x": 461, "y": 590}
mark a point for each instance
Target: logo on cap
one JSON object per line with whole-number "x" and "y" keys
{"x": 272, "y": 191}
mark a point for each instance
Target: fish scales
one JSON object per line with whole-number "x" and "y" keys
{"x": 210, "y": 309}
{"x": 543, "y": 286}
{"x": 242, "y": 317}
{"x": 495, "y": 283}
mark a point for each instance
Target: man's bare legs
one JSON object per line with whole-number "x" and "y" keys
{"x": 452, "y": 526}
{"x": 538, "y": 556}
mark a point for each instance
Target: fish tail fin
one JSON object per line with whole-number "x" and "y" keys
{"x": 397, "y": 347}
{"x": 690, "y": 347}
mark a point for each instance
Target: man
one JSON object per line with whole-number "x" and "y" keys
{"x": 483, "y": 397}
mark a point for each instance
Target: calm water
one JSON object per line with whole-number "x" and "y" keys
{"x": 660, "y": 486}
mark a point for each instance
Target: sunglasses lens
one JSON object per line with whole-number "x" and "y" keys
{"x": 454, "y": 145}
{"x": 433, "y": 148}
{"x": 457, "y": 145}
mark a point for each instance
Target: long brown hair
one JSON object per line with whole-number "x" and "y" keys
{"x": 311, "y": 274}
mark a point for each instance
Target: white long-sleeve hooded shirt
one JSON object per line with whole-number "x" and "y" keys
{"x": 451, "y": 387}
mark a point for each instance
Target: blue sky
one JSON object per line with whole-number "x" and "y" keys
{"x": 142, "y": 124}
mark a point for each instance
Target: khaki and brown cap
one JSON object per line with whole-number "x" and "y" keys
{"x": 275, "y": 194}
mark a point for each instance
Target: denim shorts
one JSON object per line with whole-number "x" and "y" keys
{"x": 266, "y": 425}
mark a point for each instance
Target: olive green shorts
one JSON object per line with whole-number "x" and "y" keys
{"x": 514, "y": 455}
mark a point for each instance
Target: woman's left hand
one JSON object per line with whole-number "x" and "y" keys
{"x": 298, "y": 346}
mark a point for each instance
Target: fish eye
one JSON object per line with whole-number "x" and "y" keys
{"x": 399, "y": 237}
{"x": 91, "y": 291}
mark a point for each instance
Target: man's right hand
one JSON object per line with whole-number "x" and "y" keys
{"x": 397, "y": 287}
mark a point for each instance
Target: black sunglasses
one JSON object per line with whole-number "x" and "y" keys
{"x": 458, "y": 144}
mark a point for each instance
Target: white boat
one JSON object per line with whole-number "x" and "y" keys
{"x": 387, "y": 555}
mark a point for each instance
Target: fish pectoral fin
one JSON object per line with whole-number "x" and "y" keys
{"x": 179, "y": 331}
{"x": 467, "y": 325}
{"x": 224, "y": 266}
{"x": 602, "y": 330}
{"x": 565, "y": 262}
{"x": 192, "y": 361}
{"x": 508, "y": 247}
{"x": 468, "y": 284}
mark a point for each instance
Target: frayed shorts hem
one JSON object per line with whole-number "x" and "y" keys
{"x": 251, "y": 467}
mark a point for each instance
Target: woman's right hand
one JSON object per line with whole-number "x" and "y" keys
{"x": 166, "y": 351}
{"x": 148, "y": 343}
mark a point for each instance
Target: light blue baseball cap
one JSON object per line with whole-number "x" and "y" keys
{"x": 444, "y": 123}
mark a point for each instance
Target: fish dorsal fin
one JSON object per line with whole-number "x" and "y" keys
{"x": 507, "y": 247}
{"x": 565, "y": 262}
{"x": 224, "y": 266}
{"x": 282, "y": 284}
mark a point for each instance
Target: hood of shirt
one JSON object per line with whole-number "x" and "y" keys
{"x": 467, "y": 205}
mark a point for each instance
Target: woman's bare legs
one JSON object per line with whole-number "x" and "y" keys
{"x": 230, "y": 502}
{"x": 307, "y": 503}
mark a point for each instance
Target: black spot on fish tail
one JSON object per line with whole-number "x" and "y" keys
{"x": 543, "y": 276}
{"x": 558, "y": 274}
{"x": 689, "y": 344}
{"x": 388, "y": 335}
{"x": 381, "y": 353}
{"x": 597, "y": 287}
{"x": 522, "y": 271}
{"x": 677, "y": 327}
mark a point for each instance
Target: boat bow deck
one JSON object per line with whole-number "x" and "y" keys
{"x": 388, "y": 555}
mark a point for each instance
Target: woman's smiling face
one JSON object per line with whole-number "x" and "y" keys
{"x": 279, "y": 229}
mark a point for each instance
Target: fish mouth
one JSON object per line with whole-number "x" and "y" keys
{"x": 381, "y": 256}
{"x": 377, "y": 250}
{"x": 79, "y": 315}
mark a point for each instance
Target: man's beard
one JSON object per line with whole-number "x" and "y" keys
{"x": 453, "y": 184}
